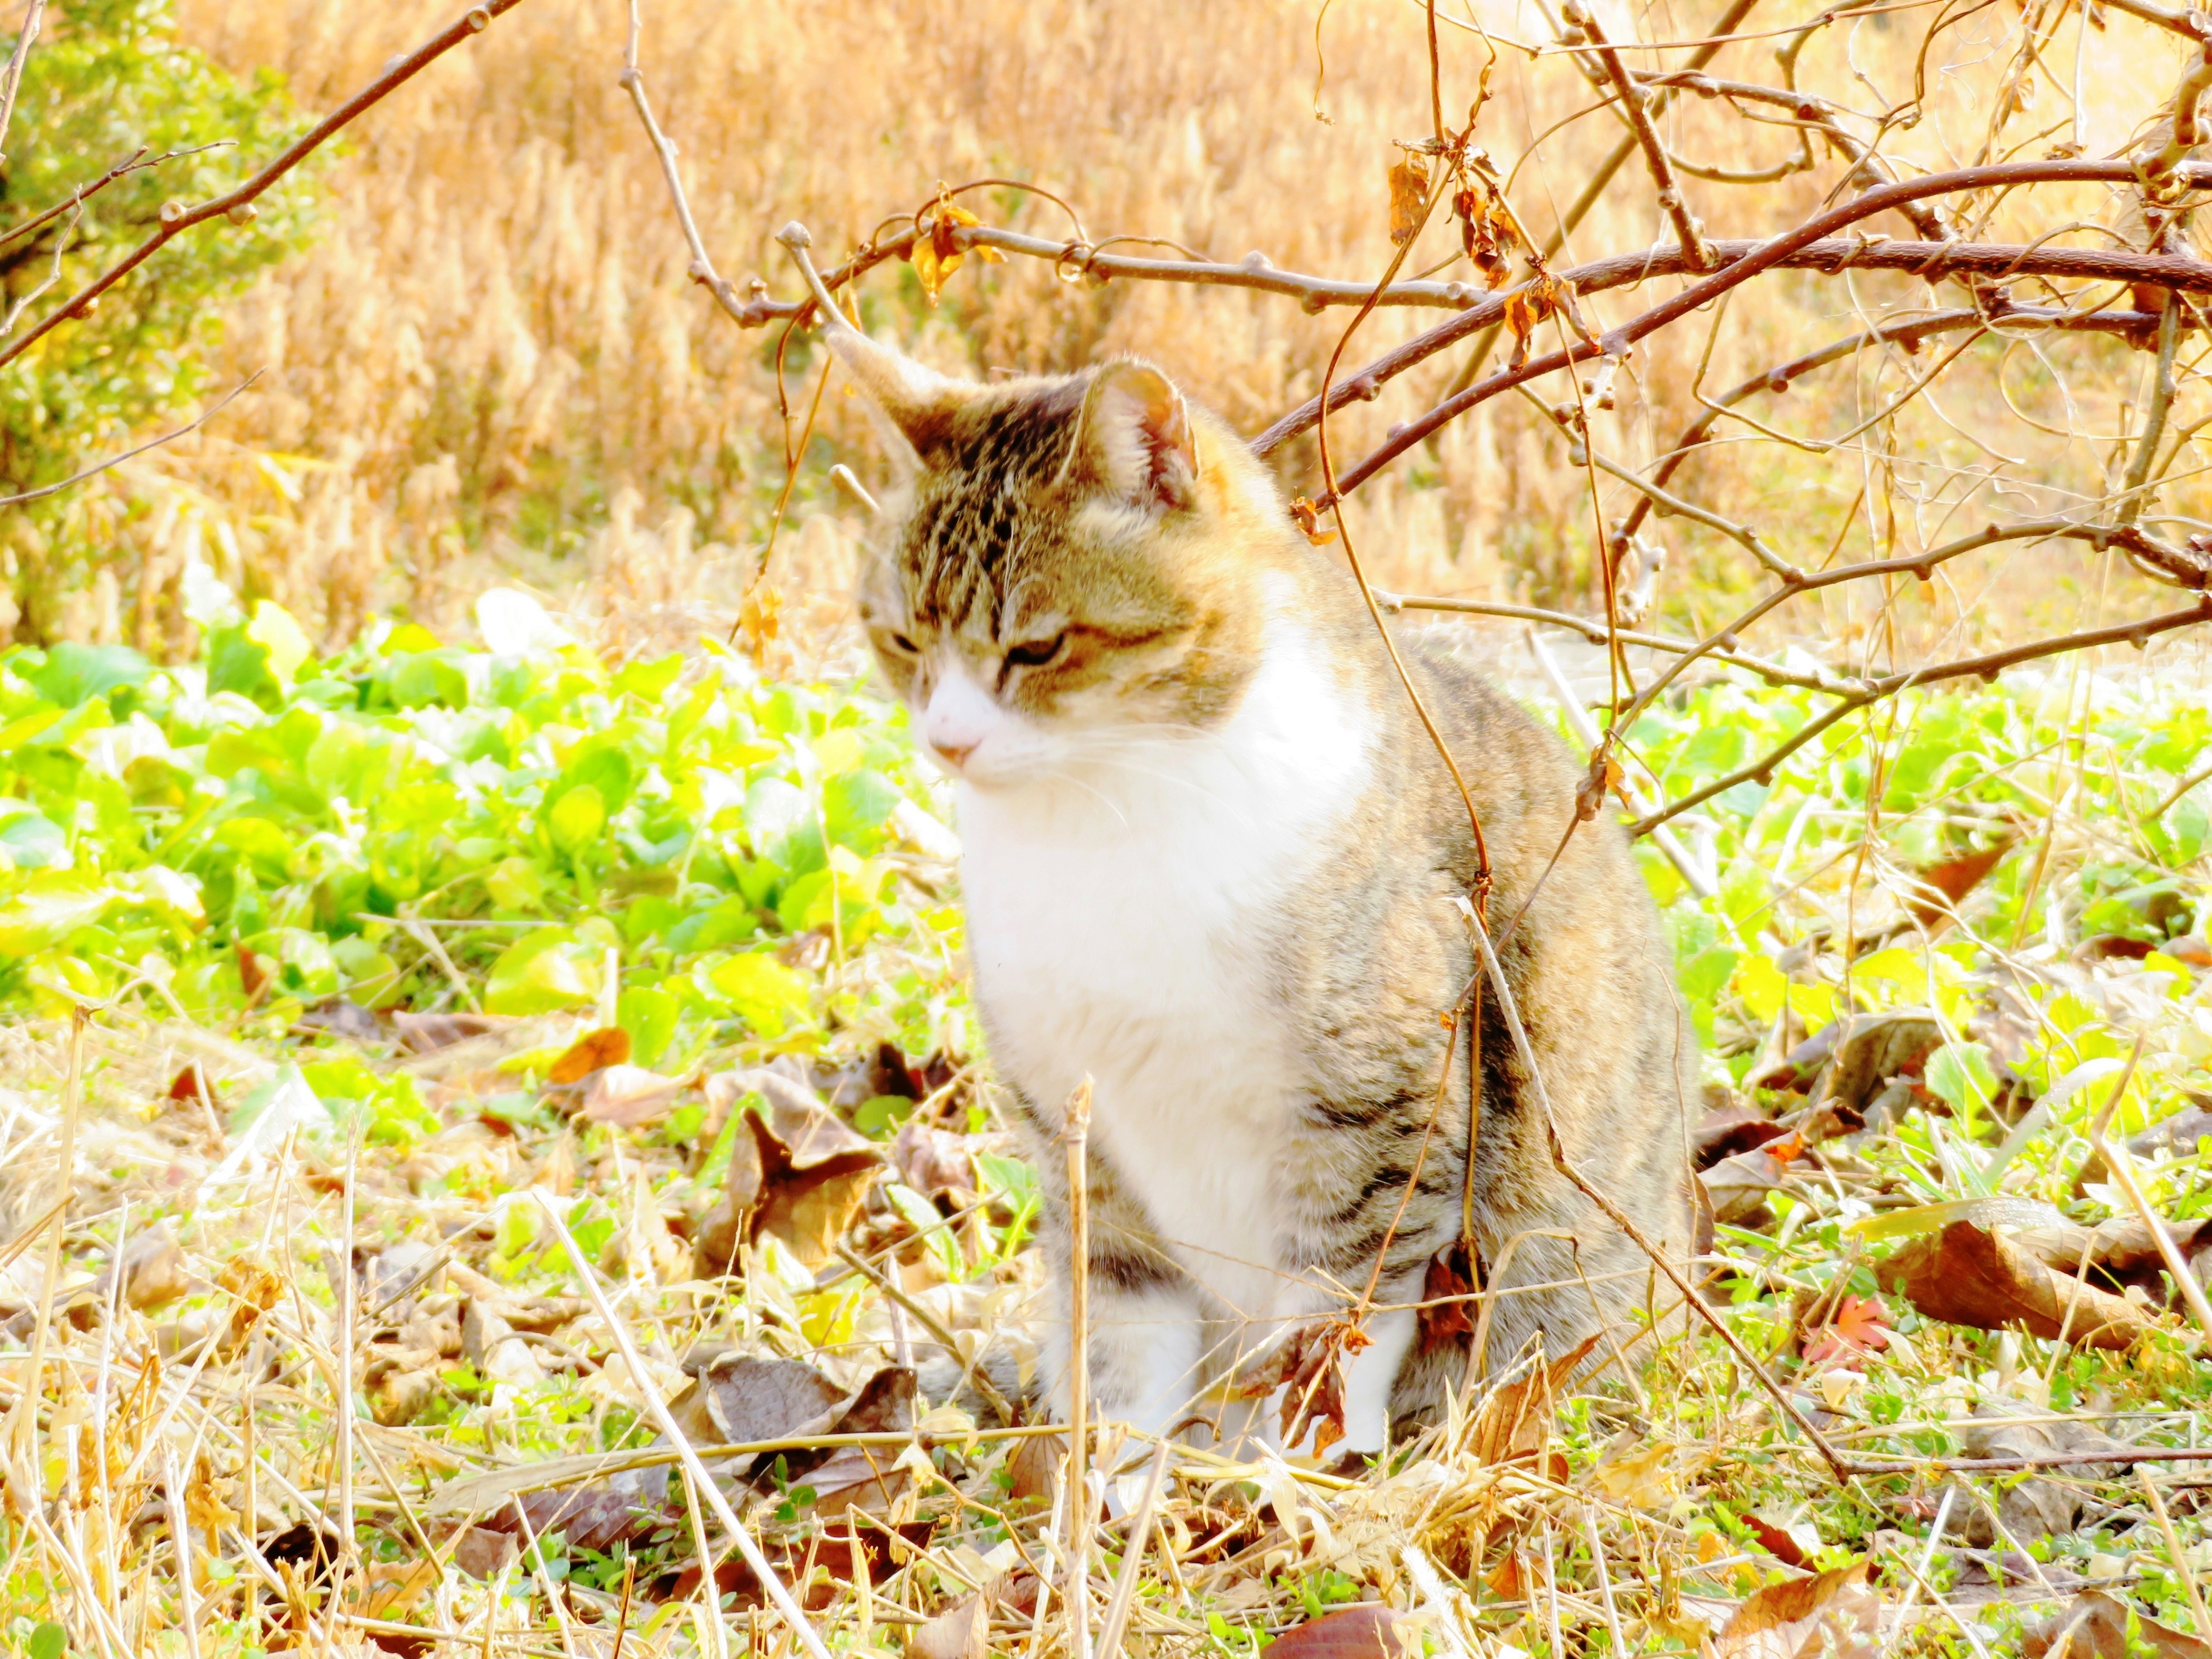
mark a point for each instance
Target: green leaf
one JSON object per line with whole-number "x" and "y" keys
{"x": 763, "y": 992}
{"x": 76, "y": 674}
{"x": 541, "y": 972}
{"x": 577, "y": 817}
{"x": 1961, "y": 1073}
{"x": 31, "y": 841}
{"x": 48, "y": 1641}
{"x": 649, "y": 1017}
{"x": 275, "y": 630}
{"x": 52, "y": 905}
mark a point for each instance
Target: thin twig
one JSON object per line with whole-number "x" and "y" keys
{"x": 193, "y": 425}
{"x": 11, "y": 79}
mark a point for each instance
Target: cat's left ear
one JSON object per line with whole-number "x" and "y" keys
{"x": 1134, "y": 438}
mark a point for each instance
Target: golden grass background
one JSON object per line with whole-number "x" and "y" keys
{"x": 493, "y": 362}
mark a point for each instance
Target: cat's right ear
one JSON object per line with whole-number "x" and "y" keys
{"x": 911, "y": 402}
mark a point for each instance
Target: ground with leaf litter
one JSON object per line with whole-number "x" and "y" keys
{"x": 433, "y": 1073}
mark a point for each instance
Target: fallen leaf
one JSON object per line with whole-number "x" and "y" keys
{"x": 1859, "y": 1326}
{"x": 340, "y": 1017}
{"x": 796, "y": 1172}
{"x": 1727, "y": 1130}
{"x": 2095, "y": 1625}
{"x": 1514, "y": 1421}
{"x": 2121, "y": 1253}
{"x": 963, "y": 1631}
{"x": 737, "y": 1400}
{"x": 1369, "y": 1631}
{"x": 152, "y": 1268}
{"x": 816, "y": 1567}
{"x": 931, "y": 1160}
{"x": 2033, "y": 1507}
{"x": 1970, "y": 1275}
{"x": 626, "y": 1096}
{"x": 254, "y": 973}
{"x": 424, "y": 1034}
{"x": 192, "y": 1084}
{"x": 1644, "y": 1478}
{"x": 1951, "y": 879}
{"x": 1409, "y": 194}
{"x": 492, "y": 1346}
{"x": 1777, "y": 1541}
{"x": 1832, "y": 1613}
{"x": 481, "y": 1551}
{"x": 594, "y": 1051}
{"x": 1738, "y": 1187}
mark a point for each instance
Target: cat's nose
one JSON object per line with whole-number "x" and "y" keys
{"x": 954, "y": 755}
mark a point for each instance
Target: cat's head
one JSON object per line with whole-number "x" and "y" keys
{"x": 1066, "y": 567}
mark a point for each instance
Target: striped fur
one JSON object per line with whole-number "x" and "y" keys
{"x": 1210, "y": 864}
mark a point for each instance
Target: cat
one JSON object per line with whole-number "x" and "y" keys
{"x": 1210, "y": 864}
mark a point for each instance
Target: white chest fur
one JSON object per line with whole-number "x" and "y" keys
{"x": 1120, "y": 918}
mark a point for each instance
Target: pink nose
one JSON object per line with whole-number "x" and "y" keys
{"x": 955, "y": 754}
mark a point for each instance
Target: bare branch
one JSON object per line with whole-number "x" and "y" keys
{"x": 1986, "y": 666}
{"x": 1687, "y": 231}
{"x": 1597, "y": 633}
{"x": 396, "y": 75}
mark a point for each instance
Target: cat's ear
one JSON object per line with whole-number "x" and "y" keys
{"x": 913, "y": 401}
{"x": 1134, "y": 439}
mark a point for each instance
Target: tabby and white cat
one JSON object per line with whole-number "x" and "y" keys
{"x": 1211, "y": 862}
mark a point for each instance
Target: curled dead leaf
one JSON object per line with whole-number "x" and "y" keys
{"x": 1409, "y": 194}
{"x": 1515, "y": 1422}
{"x": 1832, "y": 1614}
{"x": 1971, "y": 1275}
{"x": 797, "y": 1172}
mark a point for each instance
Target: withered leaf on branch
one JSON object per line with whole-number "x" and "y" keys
{"x": 1832, "y": 1614}
{"x": 1531, "y": 303}
{"x": 1486, "y": 233}
{"x": 798, "y": 1173}
{"x": 937, "y": 252}
{"x": 1409, "y": 194}
{"x": 1971, "y": 1275}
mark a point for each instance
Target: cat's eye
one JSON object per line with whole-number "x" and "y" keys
{"x": 1035, "y": 654}
{"x": 904, "y": 646}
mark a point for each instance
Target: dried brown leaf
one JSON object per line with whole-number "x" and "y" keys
{"x": 1369, "y": 1631}
{"x": 963, "y": 1631}
{"x": 799, "y": 1174}
{"x": 1515, "y": 1422}
{"x": 592, "y": 1052}
{"x": 1409, "y": 194}
{"x": 1971, "y": 1275}
{"x": 1951, "y": 879}
{"x": 2095, "y": 1625}
{"x": 1832, "y": 1613}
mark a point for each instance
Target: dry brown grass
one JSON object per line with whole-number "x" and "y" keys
{"x": 493, "y": 360}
